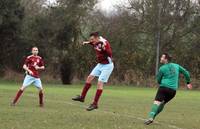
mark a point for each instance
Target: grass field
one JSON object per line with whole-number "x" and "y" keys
{"x": 121, "y": 107}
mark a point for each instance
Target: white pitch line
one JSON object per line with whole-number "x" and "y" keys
{"x": 115, "y": 114}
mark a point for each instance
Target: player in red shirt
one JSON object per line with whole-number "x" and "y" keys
{"x": 102, "y": 70}
{"x": 32, "y": 65}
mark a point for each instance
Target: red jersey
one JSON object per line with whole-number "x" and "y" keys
{"x": 31, "y": 61}
{"x": 103, "y": 56}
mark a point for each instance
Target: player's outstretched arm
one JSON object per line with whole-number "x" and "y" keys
{"x": 85, "y": 42}
{"x": 186, "y": 75}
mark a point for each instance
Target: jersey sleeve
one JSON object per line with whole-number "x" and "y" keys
{"x": 159, "y": 76}
{"x": 27, "y": 60}
{"x": 185, "y": 73}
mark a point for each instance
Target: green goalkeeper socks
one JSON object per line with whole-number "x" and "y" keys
{"x": 160, "y": 108}
{"x": 155, "y": 110}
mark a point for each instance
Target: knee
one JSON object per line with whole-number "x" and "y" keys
{"x": 89, "y": 79}
{"x": 157, "y": 102}
{"x": 41, "y": 90}
{"x": 100, "y": 85}
{"x": 22, "y": 88}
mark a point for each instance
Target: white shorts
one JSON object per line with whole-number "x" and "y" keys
{"x": 28, "y": 80}
{"x": 103, "y": 71}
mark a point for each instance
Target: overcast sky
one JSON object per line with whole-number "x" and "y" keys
{"x": 108, "y": 5}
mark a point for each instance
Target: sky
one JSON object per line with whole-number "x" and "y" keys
{"x": 108, "y": 5}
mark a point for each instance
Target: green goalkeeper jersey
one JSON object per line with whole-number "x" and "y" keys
{"x": 168, "y": 75}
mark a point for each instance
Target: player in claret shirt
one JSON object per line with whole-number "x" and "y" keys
{"x": 33, "y": 64}
{"x": 102, "y": 70}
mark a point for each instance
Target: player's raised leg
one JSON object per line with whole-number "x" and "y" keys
{"x": 85, "y": 89}
{"x": 105, "y": 72}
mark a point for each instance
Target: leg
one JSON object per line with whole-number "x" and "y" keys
{"x": 103, "y": 78}
{"x": 163, "y": 96}
{"x": 81, "y": 98}
{"x": 99, "y": 91}
{"x": 169, "y": 95}
{"x": 160, "y": 96}
{"x": 106, "y": 71}
{"x": 41, "y": 94}
{"x": 87, "y": 86}
{"x": 28, "y": 80}
{"x": 37, "y": 82}
{"x": 155, "y": 109}
{"x": 95, "y": 72}
{"x": 161, "y": 107}
{"x": 19, "y": 93}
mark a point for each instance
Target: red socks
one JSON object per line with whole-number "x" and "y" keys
{"x": 19, "y": 93}
{"x": 85, "y": 90}
{"x": 97, "y": 96}
{"x": 41, "y": 98}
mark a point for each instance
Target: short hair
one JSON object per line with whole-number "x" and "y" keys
{"x": 167, "y": 56}
{"x": 34, "y": 47}
{"x": 95, "y": 34}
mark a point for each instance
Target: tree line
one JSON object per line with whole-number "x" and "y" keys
{"x": 132, "y": 30}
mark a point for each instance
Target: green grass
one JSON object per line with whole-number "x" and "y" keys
{"x": 121, "y": 107}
